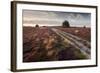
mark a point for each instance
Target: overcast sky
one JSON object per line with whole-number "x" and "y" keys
{"x": 51, "y": 18}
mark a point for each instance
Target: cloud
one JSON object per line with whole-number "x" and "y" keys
{"x": 56, "y": 18}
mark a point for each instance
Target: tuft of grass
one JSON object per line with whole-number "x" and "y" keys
{"x": 79, "y": 55}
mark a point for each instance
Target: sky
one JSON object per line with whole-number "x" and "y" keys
{"x": 55, "y": 18}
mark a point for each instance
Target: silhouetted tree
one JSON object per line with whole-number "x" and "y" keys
{"x": 84, "y": 26}
{"x": 65, "y": 24}
{"x": 36, "y": 25}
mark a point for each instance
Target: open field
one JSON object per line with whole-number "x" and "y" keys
{"x": 84, "y": 33}
{"x": 56, "y": 43}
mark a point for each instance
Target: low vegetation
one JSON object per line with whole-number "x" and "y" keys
{"x": 42, "y": 44}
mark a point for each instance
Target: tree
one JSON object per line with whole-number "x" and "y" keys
{"x": 84, "y": 26}
{"x": 65, "y": 24}
{"x": 36, "y": 25}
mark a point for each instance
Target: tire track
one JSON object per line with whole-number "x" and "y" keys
{"x": 78, "y": 43}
